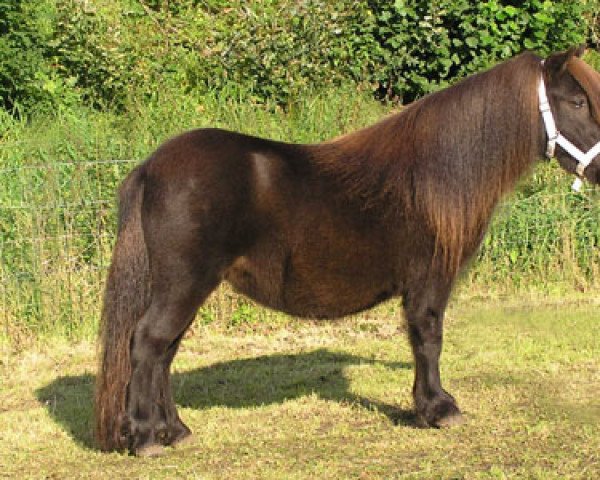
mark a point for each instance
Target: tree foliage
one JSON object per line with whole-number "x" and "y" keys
{"x": 25, "y": 72}
{"x": 112, "y": 52}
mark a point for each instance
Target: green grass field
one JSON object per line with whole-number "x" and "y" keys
{"x": 332, "y": 400}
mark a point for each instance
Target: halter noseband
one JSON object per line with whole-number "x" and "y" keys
{"x": 555, "y": 137}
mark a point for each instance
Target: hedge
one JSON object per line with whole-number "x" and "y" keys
{"x": 110, "y": 53}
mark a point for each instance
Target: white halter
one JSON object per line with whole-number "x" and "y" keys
{"x": 555, "y": 137}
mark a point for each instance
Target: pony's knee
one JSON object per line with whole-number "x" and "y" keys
{"x": 425, "y": 326}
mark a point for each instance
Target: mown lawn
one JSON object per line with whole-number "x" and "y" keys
{"x": 332, "y": 400}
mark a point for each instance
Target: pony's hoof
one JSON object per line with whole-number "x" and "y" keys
{"x": 153, "y": 450}
{"x": 183, "y": 440}
{"x": 439, "y": 413}
{"x": 453, "y": 420}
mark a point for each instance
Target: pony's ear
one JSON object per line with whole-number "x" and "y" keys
{"x": 580, "y": 50}
{"x": 557, "y": 62}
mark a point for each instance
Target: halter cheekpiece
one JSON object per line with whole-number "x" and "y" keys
{"x": 555, "y": 137}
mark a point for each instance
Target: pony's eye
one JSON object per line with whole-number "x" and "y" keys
{"x": 578, "y": 103}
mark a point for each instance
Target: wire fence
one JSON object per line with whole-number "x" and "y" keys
{"x": 56, "y": 233}
{"x": 58, "y": 221}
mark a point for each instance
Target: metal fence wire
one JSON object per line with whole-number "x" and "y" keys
{"x": 57, "y": 228}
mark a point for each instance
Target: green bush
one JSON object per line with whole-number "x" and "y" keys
{"x": 593, "y": 20}
{"x": 278, "y": 49}
{"x": 115, "y": 53}
{"x": 26, "y": 78}
{"x": 402, "y": 49}
{"x": 425, "y": 45}
{"x": 112, "y": 51}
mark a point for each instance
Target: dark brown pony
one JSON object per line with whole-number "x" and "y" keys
{"x": 394, "y": 210}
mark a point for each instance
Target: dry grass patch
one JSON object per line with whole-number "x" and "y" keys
{"x": 332, "y": 401}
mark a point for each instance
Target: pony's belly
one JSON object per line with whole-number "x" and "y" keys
{"x": 334, "y": 296}
{"x": 260, "y": 279}
{"x": 318, "y": 292}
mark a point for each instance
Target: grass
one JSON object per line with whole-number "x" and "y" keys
{"x": 332, "y": 400}
{"x": 57, "y": 208}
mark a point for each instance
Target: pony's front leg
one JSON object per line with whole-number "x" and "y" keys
{"x": 425, "y": 313}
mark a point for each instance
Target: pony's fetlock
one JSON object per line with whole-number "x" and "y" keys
{"x": 145, "y": 439}
{"x": 124, "y": 429}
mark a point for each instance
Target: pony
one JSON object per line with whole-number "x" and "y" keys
{"x": 325, "y": 230}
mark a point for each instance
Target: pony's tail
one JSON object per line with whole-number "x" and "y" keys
{"x": 126, "y": 298}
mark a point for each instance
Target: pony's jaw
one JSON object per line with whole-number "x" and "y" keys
{"x": 593, "y": 172}
{"x": 569, "y": 165}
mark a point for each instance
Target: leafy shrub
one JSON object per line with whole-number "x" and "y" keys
{"x": 25, "y": 76}
{"x": 403, "y": 49}
{"x": 428, "y": 44}
{"x": 278, "y": 49}
{"x": 111, "y": 53}
{"x": 593, "y": 20}
{"x": 110, "y": 50}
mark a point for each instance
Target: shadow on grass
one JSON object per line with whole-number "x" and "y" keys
{"x": 252, "y": 382}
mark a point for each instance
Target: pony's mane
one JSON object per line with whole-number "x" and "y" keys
{"x": 448, "y": 157}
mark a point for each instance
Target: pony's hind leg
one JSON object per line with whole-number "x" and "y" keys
{"x": 190, "y": 234}
{"x": 152, "y": 416}
{"x": 176, "y": 431}
{"x": 424, "y": 308}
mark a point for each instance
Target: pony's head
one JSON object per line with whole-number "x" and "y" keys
{"x": 573, "y": 92}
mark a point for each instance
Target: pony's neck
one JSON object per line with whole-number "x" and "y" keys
{"x": 450, "y": 156}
